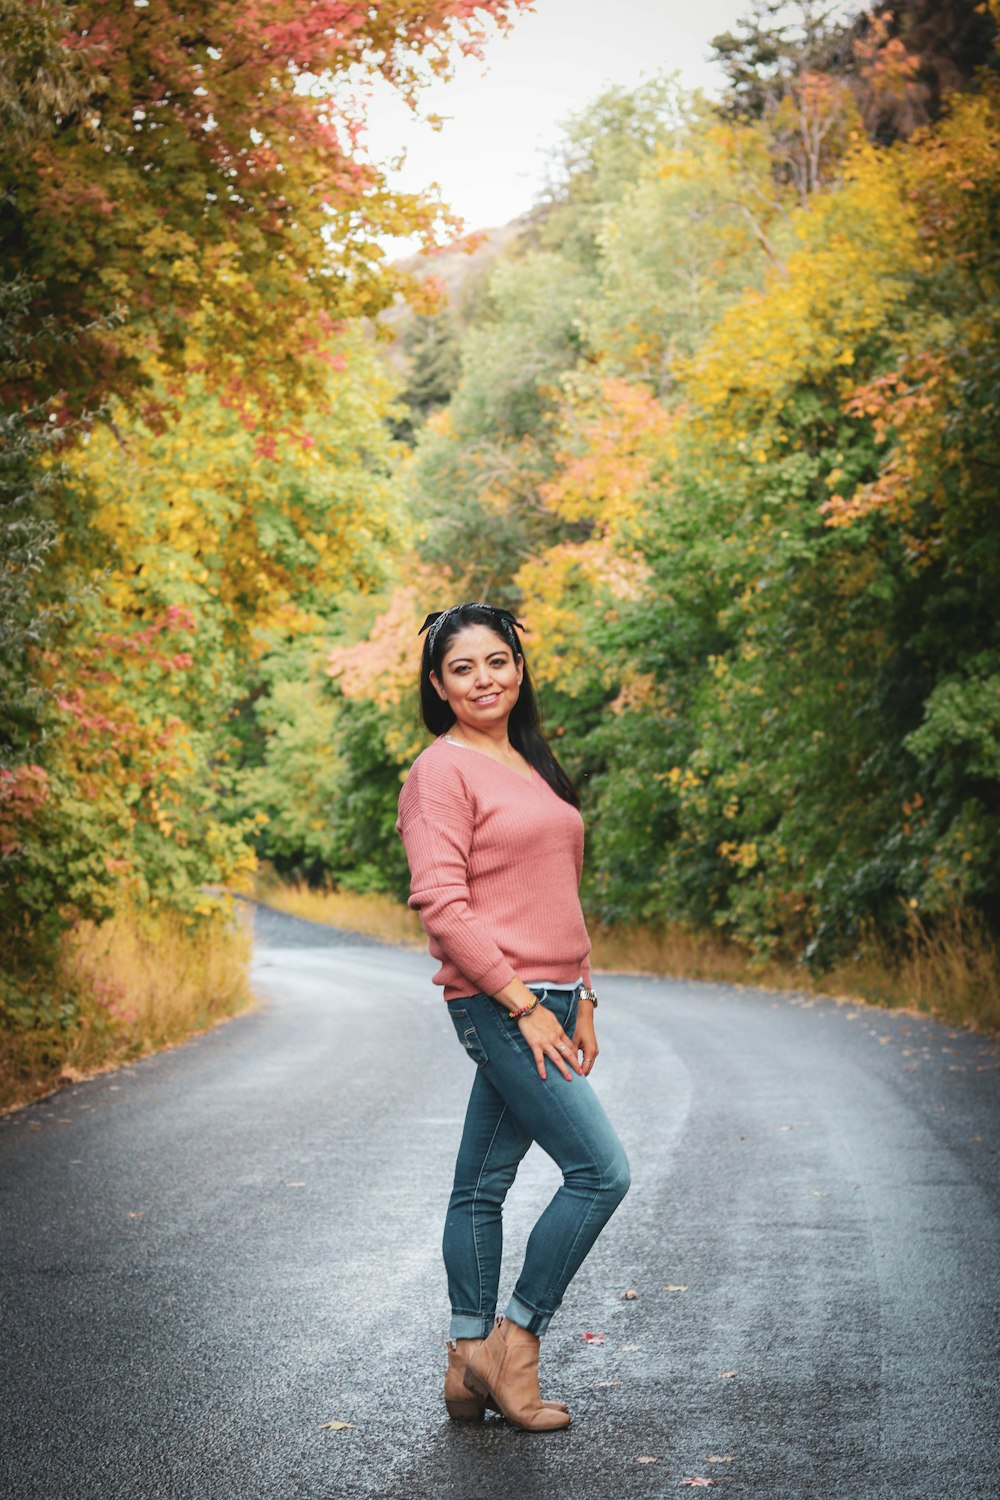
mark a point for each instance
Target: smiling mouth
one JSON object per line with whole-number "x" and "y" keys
{"x": 487, "y": 698}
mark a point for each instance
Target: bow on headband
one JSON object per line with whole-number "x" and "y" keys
{"x": 505, "y": 620}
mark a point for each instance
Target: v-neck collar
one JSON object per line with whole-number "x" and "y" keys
{"x": 460, "y": 745}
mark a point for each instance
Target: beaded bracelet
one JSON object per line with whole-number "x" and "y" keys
{"x": 515, "y": 1015}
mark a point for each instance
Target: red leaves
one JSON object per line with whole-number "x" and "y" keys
{"x": 23, "y": 791}
{"x": 196, "y": 170}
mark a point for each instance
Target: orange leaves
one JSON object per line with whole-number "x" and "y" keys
{"x": 560, "y": 589}
{"x": 811, "y": 128}
{"x": 891, "y": 400}
{"x": 382, "y": 668}
{"x": 195, "y": 180}
{"x": 910, "y": 406}
{"x": 889, "y": 77}
{"x": 603, "y": 479}
{"x": 24, "y": 790}
{"x": 383, "y": 665}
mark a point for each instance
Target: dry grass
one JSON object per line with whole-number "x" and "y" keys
{"x": 375, "y": 915}
{"x": 138, "y": 982}
{"x": 950, "y": 971}
{"x": 681, "y": 953}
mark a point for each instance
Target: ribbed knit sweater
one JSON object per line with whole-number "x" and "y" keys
{"x": 495, "y": 865}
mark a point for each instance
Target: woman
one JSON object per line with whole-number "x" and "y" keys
{"x": 494, "y": 839}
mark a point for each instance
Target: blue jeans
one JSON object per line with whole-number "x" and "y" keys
{"x": 509, "y": 1107}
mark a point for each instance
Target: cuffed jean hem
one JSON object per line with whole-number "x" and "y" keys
{"x": 525, "y": 1317}
{"x": 469, "y": 1326}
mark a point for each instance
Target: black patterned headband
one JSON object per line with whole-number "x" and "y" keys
{"x": 506, "y": 624}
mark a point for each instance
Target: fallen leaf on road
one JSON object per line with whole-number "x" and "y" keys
{"x": 715, "y": 1458}
{"x": 335, "y": 1426}
{"x": 598, "y": 1383}
{"x": 140, "y": 1214}
{"x": 727, "y": 1374}
{"x": 697, "y": 1483}
{"x": 630, "y": 1296}
{"x": 592, "y": 1338}
{"x": 786, "y": 1127}
{"x": 648, "y": 1458}
{"x": 815, "y": 1194}
{"x": 672, "y": 1288}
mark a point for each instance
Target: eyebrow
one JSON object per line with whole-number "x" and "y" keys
{"x": 454, "y": 661}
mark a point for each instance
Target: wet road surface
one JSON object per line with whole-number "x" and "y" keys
{"x": 208, "y": 1255}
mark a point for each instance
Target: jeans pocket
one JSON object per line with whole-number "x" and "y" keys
{"x": 562, "y": 1004}
{"x": 467, "y": 1034}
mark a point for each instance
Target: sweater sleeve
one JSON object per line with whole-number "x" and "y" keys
{"x": 436, "y": 820}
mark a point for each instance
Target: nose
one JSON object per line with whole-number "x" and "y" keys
{"x": 483, "y": 675}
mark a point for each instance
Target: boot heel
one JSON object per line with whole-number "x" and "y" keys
{"x": 473, "y": 1383}
{"x": 468, "y": 1409}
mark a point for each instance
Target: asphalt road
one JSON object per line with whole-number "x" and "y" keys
{"x": 208, "y": 1255}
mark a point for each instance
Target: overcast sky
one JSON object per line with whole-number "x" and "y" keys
{"x": 504, "y": 113}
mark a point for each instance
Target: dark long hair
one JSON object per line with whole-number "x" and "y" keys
{"x": 524, "y": 725}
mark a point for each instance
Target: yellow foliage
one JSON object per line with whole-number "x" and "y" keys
{"x": 604, "y": 478}
{"x": 856, "y": 249}
{"x": 214, "y": 510}
{"x": 561, "y": 588}
{"x": 622, "y": 438}
{"x": 910, "y": 407}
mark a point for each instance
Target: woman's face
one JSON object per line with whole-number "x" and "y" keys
{"x": 480, "y": 680}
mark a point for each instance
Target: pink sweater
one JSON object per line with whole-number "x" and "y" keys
{"x": 495, "y": 866}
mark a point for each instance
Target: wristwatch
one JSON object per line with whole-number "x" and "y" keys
{"x": 588, "y": 994}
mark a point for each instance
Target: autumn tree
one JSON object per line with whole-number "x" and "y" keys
{"x": 205, "y": 172}
{"x": 764, "y": 615}
{"x": 194, "y": 428}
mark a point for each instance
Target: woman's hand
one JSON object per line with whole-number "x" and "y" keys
{"x": 584, "y": 1037}
{"x": 546, "y": 1038}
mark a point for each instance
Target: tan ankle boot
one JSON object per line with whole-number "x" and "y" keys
{"x": 461, "y": 1403}
{"x": 505, "y": 1368}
